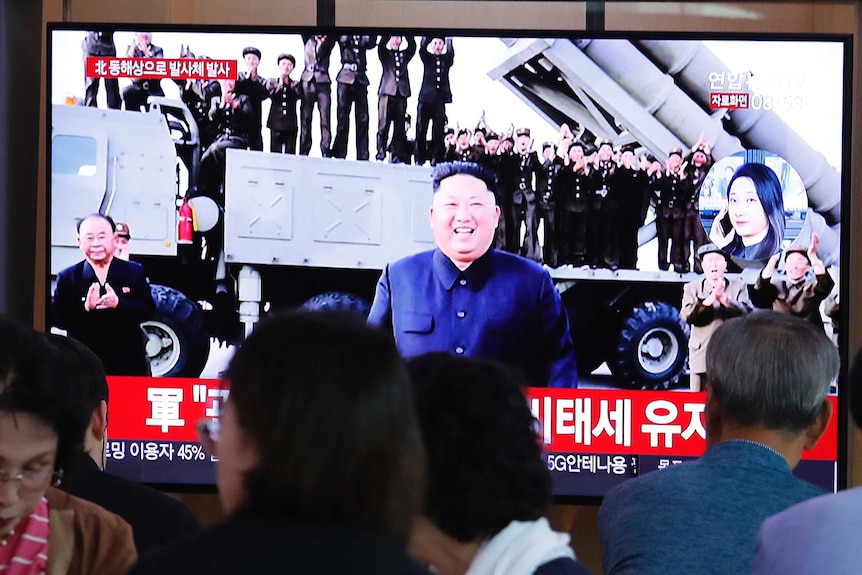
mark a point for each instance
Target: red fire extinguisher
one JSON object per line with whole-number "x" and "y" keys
{"x": 186, "y": 223}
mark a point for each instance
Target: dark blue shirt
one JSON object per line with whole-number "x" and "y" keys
{"x": 502, "y": 307}
{"x": 698, "y": 517}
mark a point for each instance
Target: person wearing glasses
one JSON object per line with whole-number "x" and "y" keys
{"x": 43, "y": 529}
{"x": 320, "y": 462}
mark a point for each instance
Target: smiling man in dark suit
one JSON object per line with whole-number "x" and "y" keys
{"x": 102, "y": 300}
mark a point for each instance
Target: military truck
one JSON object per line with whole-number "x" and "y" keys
{"x": 298, "y": 230}
{"x": 291, "y": 230}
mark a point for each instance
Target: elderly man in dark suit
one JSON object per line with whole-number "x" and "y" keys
{"x": 316, "y": 88}
{"x": 395, "y": 52}
{"x": 353, "y": 90}
{"x": 102, "y": 300}
{"x": 437, "y": 56}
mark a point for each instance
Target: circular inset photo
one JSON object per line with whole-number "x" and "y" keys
{"x": 753, "y": 204}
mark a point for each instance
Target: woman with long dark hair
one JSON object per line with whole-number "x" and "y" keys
{"x": 752, "y": 225}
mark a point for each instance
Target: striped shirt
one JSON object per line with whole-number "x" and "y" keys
{"x": 26, "y": 550}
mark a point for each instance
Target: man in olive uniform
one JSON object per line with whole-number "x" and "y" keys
{"x": 802, "y": 287}
{"x": 697, "y": 167}
{"x": 707, "y": 302}
{"x": 674, "y": 193}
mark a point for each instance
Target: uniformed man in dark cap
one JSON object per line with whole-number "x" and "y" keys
{"x": 100, "y": 43}
{"x": 395, "y": 53}
{"x": 492, "y": 145}
{"x": 450, "y": 141}
{"x": 281, "y": 122}
{"x": 506, "y": 165}
{"x": 670, "y": 222}
{"x": 464, "y": 150}
{"x": 135, "y": 95}
{"x": 255, "y": 87}
{"x": 630, "y": 187}
{"x": 437, "y": 56}
{"x": 404, "y": 153}
{"x": 706, "y": 303}
{"x": 802, "y": 287}
{"x": 352, "y": 92}
{"x": 602, "y": 234}
{"x": 527, "y": 166}
{"x": 576, "y": 189}
{"x": 316, "y": 89}
{"x": 122, "y": 235}
{"x": 697, "y": 165}
{"x": 547, "y": 191}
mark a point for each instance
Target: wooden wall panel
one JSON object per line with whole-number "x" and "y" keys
{"x": 219, "y": 12}
{"x": 460, "y": 14}
{"x": 819, "y": 17}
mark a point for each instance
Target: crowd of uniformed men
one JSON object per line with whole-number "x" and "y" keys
{"x": 581, "y": 204}
{"x": 576, "y": 203}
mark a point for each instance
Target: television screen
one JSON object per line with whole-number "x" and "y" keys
{"x": 248, "y": 170}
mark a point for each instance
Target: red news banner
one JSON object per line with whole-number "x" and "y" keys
{"x": 161, "y": 68}
{"x": 572, "y": 420}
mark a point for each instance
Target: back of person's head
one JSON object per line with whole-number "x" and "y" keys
{"x": 88, "y": 385}
{"x": 326, "y": 401}
{"x": 484, "y": 460}
{"x": 771, "y": 370}
{"x": 32, "y": 383}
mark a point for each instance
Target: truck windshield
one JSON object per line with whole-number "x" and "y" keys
{"x": 73, "y": 155}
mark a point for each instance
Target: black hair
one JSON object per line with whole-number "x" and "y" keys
{"x": 32, "y": 381}
{"x": 326, "y": 400}
{"x": 449, "y": 169}
{"x": 485, "y": 466}
{"x": 771, "y": 197}
{"x": 88, "y": 384}
{"x": 99, "y": 216}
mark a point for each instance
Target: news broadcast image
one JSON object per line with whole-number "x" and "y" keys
{"x": 227, "y": 238}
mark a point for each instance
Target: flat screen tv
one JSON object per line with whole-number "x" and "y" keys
{"x": 238, "y": 201}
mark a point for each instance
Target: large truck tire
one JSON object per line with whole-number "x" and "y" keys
{"x": 177, "y": 341}
{"x": 338, "y": 301}
{"x": 653, "y": 347}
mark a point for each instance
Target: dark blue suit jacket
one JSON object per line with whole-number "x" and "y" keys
{"x": 113, "y": 334}
{"x": 503, "y": 307}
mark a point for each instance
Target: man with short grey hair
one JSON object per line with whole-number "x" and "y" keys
{"x": 767, "y": 376}
{"x": 819, "y": 536}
